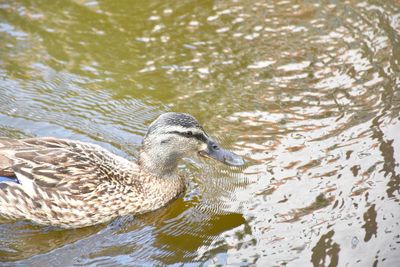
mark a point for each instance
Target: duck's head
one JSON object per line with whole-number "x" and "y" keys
{"x": 173, "y": 136}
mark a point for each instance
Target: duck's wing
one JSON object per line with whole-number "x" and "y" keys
{"x": 69, "y": 167}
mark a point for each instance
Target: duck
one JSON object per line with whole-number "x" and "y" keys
{"x": 74, "y": 184}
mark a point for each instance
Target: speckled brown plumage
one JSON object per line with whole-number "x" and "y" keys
{"x": 74, "y": 184}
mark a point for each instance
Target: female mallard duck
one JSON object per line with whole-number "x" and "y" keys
{"x": 74, "y": 184}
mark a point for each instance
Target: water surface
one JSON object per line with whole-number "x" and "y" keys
{"x": 307, "y": 91}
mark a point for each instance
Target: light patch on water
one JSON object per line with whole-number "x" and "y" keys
{"x": 222, "y": 30}
{"x": 336, "y": 81}
{"x": 204, "y": 70}
{"x": 261, "y": 64}
{"x": 294, "y": 66}
{"x": 251, "y": 36}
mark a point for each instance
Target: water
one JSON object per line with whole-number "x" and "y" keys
{"x": 308, "y": 92}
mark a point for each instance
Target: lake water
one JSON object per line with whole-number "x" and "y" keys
{"x": 307, "y": 91}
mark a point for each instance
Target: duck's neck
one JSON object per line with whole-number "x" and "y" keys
{"x": 159, "y": 162}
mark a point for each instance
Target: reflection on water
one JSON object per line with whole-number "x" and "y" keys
{"x": 308, "y": 92}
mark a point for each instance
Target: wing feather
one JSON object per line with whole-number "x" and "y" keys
{"x": 63, "y": 165}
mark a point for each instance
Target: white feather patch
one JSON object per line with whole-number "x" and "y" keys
{"x": 26, "y": 184}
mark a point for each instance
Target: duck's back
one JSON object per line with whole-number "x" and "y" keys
{"x": 63, "y": 182}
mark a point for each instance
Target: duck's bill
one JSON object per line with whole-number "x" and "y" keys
{"x": 214, "y": 151}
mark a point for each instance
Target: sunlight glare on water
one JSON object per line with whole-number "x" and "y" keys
{"x": 307, "y": 91}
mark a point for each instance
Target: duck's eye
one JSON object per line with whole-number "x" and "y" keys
{"x": 190, "y": 133}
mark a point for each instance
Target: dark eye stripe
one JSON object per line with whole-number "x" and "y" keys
{"x": 199, "y": 136}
